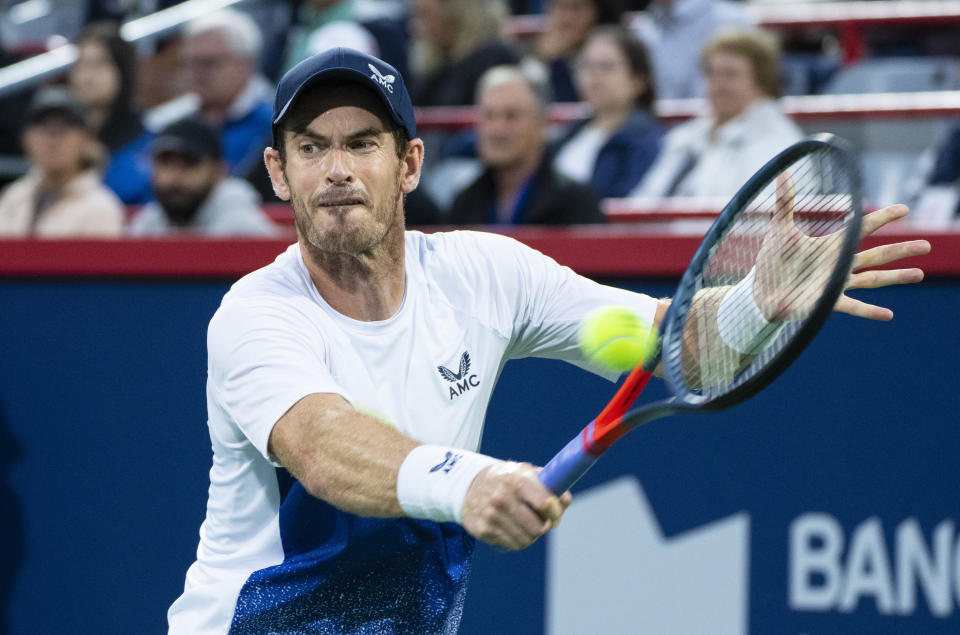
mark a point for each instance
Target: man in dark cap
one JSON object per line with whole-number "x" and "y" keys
{"x": 192, "y": 192}
{"x": 347, "y": 384}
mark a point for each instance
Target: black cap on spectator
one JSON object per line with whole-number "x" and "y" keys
{"x": 346, "y": 65}
{"x": 55, "y": 101}
{"x": 190, "y": 137}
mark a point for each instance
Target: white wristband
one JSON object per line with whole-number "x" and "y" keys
{"x": 433, "y": 481}
{"x": 740, "y": 321}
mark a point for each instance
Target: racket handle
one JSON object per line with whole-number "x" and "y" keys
{"x": 567, "y": 465}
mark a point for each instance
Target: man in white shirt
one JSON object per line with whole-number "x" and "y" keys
{"x": 359, "y": 361}
{"x": 348, "y": 381}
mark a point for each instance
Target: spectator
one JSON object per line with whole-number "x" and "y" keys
{"x": 220, "y": 54}
{"x": 192, "y": 192}
{"x": 103, "y": 79}
{"x": 938, "y": 201}
{"x": 13, "y": 106}
{"x": 376, "y": 28}
{"x": 569, "y": 24}
{"x": 62, "y": 194}
{"x": 455, "y": 41}
{"x": 519, "y": 184}
{"x": 613, "y": 148}
{"x": 946, "y": 166}
{"x": 715, "y": 154}
{"x": 675, "y": 32}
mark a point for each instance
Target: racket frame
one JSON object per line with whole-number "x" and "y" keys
{"x": 581, "y": 452}
{"x": 675, "y": 318}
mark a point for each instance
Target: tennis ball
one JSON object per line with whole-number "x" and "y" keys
{"x": 613, "y": 336}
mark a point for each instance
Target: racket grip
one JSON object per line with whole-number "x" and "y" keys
{"x": 567, "y": 465}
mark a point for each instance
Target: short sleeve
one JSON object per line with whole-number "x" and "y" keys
{"x": 264, "y": 357}
{"x": 549, "y": 302}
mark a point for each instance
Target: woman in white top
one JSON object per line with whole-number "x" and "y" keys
{"x": 715, "y": 154}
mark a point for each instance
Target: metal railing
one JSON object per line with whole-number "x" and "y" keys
{"x": 35, "y": 69}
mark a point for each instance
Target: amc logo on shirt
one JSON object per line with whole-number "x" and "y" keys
{"x": 462, "y": 381}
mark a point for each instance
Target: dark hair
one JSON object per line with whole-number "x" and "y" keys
{"x": 124, "y": 58}
{"x": 638, "y": 59}
{"x": 609, "y": 11}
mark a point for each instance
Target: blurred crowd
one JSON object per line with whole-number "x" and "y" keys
{"x": 166, "y": 135}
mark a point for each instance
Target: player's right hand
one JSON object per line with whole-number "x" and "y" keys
{"x": 507, "y": 506}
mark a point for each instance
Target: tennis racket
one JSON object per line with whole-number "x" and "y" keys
{"x": 763, "y": 281}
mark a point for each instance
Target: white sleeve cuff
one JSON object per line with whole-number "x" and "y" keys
{"x": 740, "y": 321}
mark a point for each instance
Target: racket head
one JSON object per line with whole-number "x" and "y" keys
{"x": 826, "y": 206}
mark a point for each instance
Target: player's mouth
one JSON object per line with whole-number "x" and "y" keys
{"x": 333, "y": 204}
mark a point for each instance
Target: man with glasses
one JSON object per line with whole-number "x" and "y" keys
{"x": 220, "y": 55}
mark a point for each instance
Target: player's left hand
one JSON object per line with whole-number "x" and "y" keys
{"x": 878, "y": 256}
{"x": 774, "y": 262}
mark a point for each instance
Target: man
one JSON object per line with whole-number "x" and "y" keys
{"x": 191, "y": 191}
{"x": 345, "y": 495}
{"x": 519, "y": 184}
{"x": 220, "y": 53}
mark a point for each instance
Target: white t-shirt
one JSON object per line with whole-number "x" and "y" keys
{"x": 270, "y": 555}
{"x": 725, "y": 157}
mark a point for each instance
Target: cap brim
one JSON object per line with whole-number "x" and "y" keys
{"x": 69, "y": 115}
{"x": 179, "y": 146}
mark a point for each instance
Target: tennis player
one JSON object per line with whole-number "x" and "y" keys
{"x": 348, "y": 381}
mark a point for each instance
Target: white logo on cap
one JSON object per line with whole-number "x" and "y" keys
{"x": 384, "y": 80}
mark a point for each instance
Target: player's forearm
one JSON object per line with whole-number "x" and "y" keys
{"x": 341, "y": 456}
{"x": 363, "y": 466}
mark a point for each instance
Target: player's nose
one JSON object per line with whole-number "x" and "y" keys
{"x": 338, "y": 166}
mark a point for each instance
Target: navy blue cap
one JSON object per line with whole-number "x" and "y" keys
{"x": 346, "y": 65}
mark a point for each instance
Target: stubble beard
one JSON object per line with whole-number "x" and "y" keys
{"x": 341, "y": 244}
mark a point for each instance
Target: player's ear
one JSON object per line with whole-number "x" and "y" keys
{"x": 271, "y": 158}
{"x": 412, "y": 164}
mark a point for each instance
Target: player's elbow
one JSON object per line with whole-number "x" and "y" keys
{"x": 319, "y": 485}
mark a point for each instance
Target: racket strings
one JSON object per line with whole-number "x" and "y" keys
{"x": 785, "y": 259}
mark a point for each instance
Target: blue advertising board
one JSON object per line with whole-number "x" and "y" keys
{"x": 826, "y": 505}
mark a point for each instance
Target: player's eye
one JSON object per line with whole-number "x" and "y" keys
{"x": 362, "y": 144}
{"x": 308, "y": 148}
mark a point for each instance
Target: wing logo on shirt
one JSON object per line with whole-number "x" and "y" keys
{"x": 463, "y": 380}
{"x": 384, "y": 80}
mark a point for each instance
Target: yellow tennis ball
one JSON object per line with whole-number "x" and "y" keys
{"x": 615, "y": 337}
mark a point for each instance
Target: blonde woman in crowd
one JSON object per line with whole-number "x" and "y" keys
{"x": 713, "y": 155}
